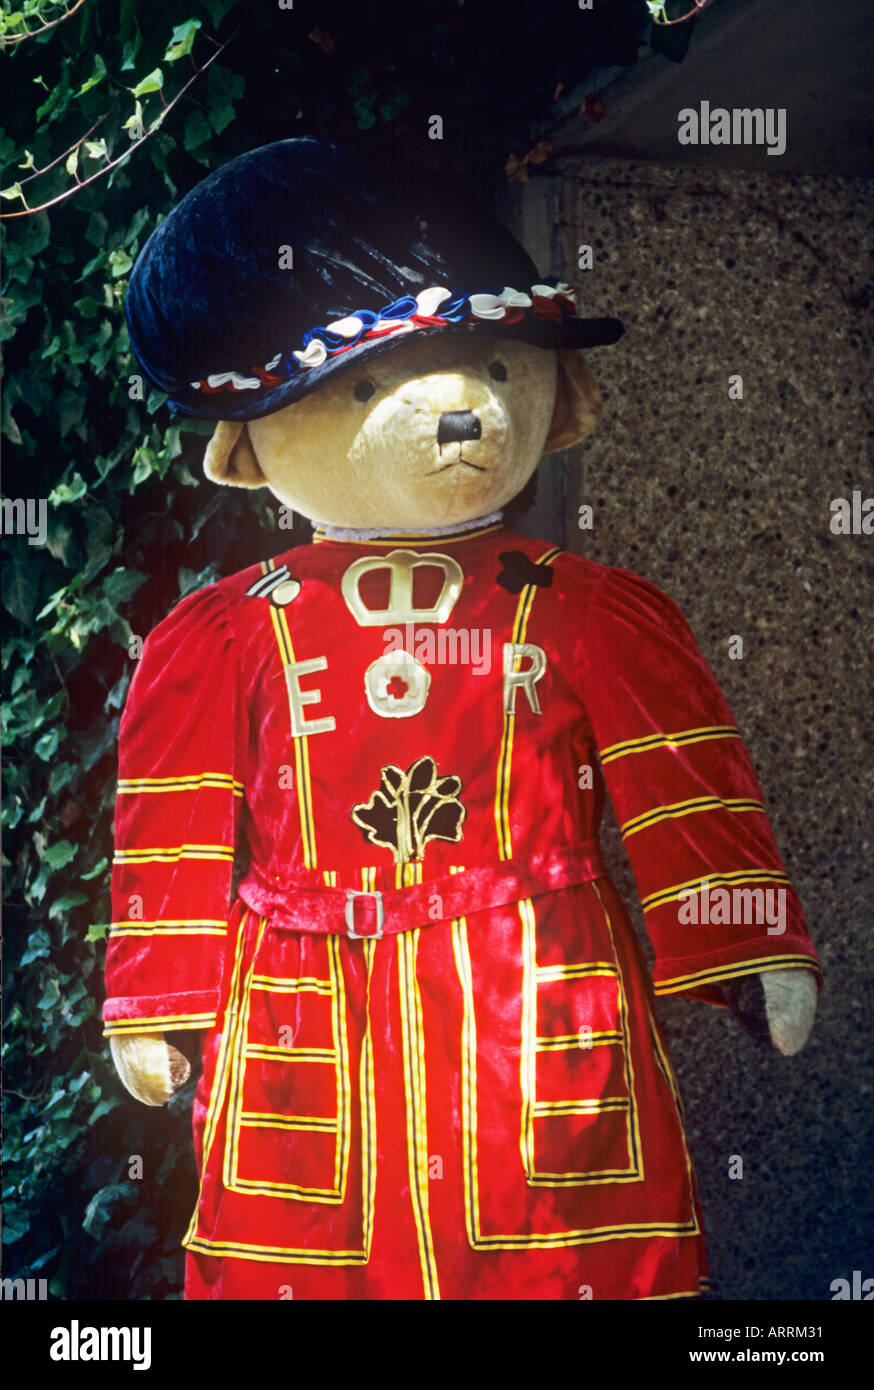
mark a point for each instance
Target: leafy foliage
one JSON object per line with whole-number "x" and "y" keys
{"x": 128, "y": 528}
{"x": 108, "y": 92}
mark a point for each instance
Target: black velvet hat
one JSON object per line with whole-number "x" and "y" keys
{"x": 303, "y": 259}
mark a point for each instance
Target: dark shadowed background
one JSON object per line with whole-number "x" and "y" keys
{"x": 739, "y": 262}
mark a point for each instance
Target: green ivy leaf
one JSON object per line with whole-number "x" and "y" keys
{"x": 140, "y": 219}
{"x": 21, "y": 586}
{"x": 97, "y": 741}
{"x": 61, "y": 775}
{"x": 87, "y": 308}
{"x": 130, "y": 51}
{"x": 99, "y": 868}
{"x": 221, "y": 116}
{"x": 217, "y": 9}
{"x": 120, "y": 263}
{"x": 46, "y": 746}
{"x": 59, "y": 854}
{"x": 136, "y": 119}
{"x": 68, "y": 492}
{"x": 49, "y": 997}
{"x": 181, "y": 43}
{"x": 98, "y": 225}
{"x": 38, "y": 946}
{"x": 65, "y": 902}
{"x": 61, "y": 539}
{"x": 153, "y": 83}
{"x": 17, "y": 302}
{"x": 98, "y": 1211}
{"x": 34, "y": 235}
{"x": 96, "y": 263}
{"x": 191, "y": 580}
{"x": 122, "y": 584}
{"x": 42, "y": 1260}
{"x": 16, "y": 1223}
{"x": 103, "y": 1107}
{"x": 197, "y": 130}
{"x": 97, "y": 75}
{"x": 7, "y": 424}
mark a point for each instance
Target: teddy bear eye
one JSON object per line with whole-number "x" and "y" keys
{"x": 497, "y": 371}
{"x": 364, "y": 389}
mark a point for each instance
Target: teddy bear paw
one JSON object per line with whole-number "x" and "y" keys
{"x": 150, "y": 1068}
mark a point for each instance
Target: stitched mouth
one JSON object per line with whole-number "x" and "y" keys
{"x": 454, "y": 464}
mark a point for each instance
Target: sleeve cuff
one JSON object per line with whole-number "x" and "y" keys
{"x": 699, "y": 977}
{"x": 163, "y": 1013}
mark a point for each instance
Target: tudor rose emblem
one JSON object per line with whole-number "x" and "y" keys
{"x": 396, "y": 685}
{"x": 401, "y": 565}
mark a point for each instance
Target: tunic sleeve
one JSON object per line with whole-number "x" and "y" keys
{"x": 177, "y": 813}
{"x": 715, "y": 894}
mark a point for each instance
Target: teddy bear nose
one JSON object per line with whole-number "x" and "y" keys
{"x": 456, "y": 425}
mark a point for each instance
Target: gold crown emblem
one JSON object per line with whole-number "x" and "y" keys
{"x": 401, "y": 565}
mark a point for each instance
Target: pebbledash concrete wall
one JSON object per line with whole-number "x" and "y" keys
{"x": 725, "y": 504}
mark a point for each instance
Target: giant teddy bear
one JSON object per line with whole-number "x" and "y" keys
{"x": 432, "y": 1066}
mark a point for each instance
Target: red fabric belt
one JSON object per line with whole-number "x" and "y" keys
{"x": 385, "y": 912}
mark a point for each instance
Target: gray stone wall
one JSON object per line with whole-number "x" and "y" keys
{"x": 725, "y": 504}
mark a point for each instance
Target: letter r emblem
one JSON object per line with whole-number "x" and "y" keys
{"x": 514, "y": 652}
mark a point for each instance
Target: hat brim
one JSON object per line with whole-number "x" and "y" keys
{"x": 230, "y": 404}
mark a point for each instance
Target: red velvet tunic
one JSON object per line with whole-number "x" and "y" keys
{"x": 477, "y": 1103}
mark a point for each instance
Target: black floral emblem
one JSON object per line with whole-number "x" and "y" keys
{"x": 410, "y": 808}
{"x": 519, "y": 570}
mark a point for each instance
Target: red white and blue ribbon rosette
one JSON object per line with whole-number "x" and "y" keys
{"x": 432, "y": 308}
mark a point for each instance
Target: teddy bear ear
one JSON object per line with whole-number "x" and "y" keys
{"x": 230, "y": 458}
{"x": 577, "y": 402}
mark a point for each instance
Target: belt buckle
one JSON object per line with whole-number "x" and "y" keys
{"x": 352, "y": 934}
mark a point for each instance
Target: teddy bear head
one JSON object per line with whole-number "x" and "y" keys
{"x": 375, "y": 347}
{"x": 439, "y": 431}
